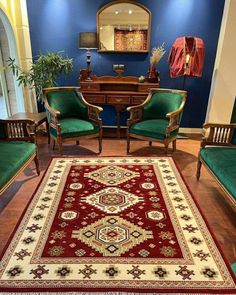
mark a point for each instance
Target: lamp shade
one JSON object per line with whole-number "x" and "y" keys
{"x": 88, "y": 40}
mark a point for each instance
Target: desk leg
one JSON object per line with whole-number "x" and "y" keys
{"x": 118, "y": 109}
{"x": 118, "y": 123}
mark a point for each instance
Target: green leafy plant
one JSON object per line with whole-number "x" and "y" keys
{"x": 44, "y": 71}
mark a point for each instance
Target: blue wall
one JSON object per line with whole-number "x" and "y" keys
{"x": 55, "y": 26}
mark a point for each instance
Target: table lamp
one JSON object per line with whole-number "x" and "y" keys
{"x": 88, "y": 40}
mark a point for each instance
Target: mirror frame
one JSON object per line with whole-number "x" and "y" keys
{"x": 149, "y": 26}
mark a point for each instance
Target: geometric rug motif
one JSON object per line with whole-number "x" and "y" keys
{"x": 111, "y": 175}
{"x": 113, "y": 224}
{"x": 112, "y": 235}
{"x": 112, "y": 200}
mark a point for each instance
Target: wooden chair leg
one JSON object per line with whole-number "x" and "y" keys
{"x": 174, "y": 145}
{"x": 150, "y": 143}
{"x": 54, "y": 142}
{"x": 60, "y": 148}
{"x": 36, "y": 161}
{"x": 100, "y": 142}
{"x": 59, "y": 141}
{"x": 199, "y": 165}
{"x": 48, "y": 132}
{"x": 166, "y": 148}
{"x": 128, "y": 143}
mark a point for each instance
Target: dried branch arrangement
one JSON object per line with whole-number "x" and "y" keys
{"x": 157, "y": 54}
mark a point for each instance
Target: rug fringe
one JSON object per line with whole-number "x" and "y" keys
{"x": 103, "y": 293}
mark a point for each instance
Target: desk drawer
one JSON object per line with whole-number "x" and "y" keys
{"x": 146, "y": 87}
{"x": 94, "y": 98}
{"x": 118, "y": 99}
{"x": 138, "y": 99}
{"x": 89, "y": 86}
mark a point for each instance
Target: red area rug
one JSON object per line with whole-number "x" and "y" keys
{"x": 113, "y": 225}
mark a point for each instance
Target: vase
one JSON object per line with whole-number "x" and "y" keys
{"x": 153, "y": 75}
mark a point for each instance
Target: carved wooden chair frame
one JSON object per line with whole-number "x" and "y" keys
{"x": 93, "y": 115}
{"x": 174, "y": 119}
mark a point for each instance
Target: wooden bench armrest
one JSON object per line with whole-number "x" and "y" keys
{"x": 19, "y": 130}
{"x": 218, "y": 134}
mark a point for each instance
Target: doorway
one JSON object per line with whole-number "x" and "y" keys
{"x": 4, "y": 100}
{"x": 3, "y": 107}
{"x": 11, "y": 96}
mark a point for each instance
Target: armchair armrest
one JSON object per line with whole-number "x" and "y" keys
{"x": 19, "y": 130}
{"x": 93, "y": 111}
{"x": 136, "y": 111}
{"x": 135, "y": 114}
{"x": 52, "y": 117}
{"x": 174, "y": 118}
{"x": 53, "y": 112}
{"x": 218, "y": 134}
{"x": 93, "y": 114}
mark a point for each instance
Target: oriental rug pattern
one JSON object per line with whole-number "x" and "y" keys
{"x": 113, "y": 224}
{"x": 133, "y": 40}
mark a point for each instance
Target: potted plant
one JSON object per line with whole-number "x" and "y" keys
{"x": 157, "y": 54}
{"x": 44, "y": 72}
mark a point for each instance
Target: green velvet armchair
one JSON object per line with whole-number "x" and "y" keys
{"x": 70, "y": 117}
{"x": 157, "y": 118}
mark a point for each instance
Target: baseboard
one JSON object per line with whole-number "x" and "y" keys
{"x": 181, "y": 130}
{"x": 191, "y": 130}
{"x": 111, "y": 131}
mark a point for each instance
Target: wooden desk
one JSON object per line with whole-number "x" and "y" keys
{"x": 38, "y": 118}
{"x": 119, "y": 92}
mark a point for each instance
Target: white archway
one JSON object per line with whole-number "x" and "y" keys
{"x": 15, "y": 90}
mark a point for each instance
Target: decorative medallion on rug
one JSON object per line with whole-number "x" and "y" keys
{"x": 113, "y": 224}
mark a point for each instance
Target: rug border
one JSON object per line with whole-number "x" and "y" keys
{"x": 207, "y": 223}
{"x": 119, "y": 290}
{"x": 24, "y": 211}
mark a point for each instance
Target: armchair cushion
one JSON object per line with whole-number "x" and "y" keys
{"x": 155, "y": 128}
{"x": 222, "y": 161}
{"x": 73, "y": 127}
{"x": 9, "y": 163}
{"x": 161, "y": 104}
{"x": 68, "y": 103}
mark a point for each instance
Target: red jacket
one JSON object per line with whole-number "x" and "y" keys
{"x": 187, "y": 57}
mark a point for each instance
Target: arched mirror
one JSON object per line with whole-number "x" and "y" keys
{"x": 123, "y": 26}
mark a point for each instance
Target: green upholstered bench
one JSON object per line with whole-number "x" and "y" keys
{"x": 17, "y": 149}
{"x": 218, "y": 154}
